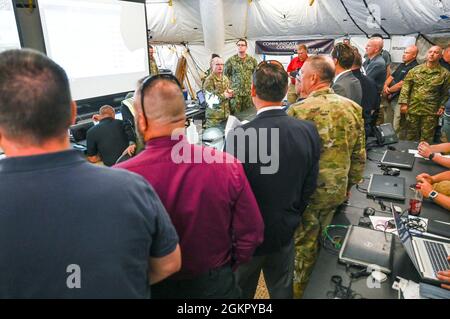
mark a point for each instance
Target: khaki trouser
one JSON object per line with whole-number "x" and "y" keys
{"x": 291, "y": 94}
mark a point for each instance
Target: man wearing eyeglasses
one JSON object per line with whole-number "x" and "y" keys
{"x": 341, "y": 129}
{"x": 239, "y": 69}
{"x": 205, "y": 192}
{"x": 219, "y": 85}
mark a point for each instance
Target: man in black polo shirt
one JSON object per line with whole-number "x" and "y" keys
{"x": 393, "y": 86}
{"x": 107, "y": 141}
{"x": 69, "y": 229}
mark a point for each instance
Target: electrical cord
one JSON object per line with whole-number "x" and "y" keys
{"x": 342, "y": 292}
{"x": 333, "y": 242}
{"x": 360, "y": 189}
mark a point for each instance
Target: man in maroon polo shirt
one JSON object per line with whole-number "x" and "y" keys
{"x": 205, "y": 192}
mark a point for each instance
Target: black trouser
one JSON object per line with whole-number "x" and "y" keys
{"x": 218, "y": 283}
{"x": 278, "y": 269}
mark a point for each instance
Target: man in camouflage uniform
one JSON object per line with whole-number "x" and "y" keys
{"x": 423, "y": 96}
{"x": 218, "y": 84}
{"x": 239, "y": 69}
{"x": 152, "y": 62}
{"x": 341, "y": 129}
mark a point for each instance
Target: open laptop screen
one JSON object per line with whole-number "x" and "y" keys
{"x": 201, "y": 99}
{"x": 405, "y": 236}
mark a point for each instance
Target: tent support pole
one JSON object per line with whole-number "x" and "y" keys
{"x": 379, "y": 23}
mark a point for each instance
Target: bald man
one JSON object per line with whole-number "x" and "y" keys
{"x": 393, "y": 85}
{"x": 205, "y": 192}
{"x": 107, "y": 141}
{"x": 423, "y": 96}
{"x": 375, "y": 65}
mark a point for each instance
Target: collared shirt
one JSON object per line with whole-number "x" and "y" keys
{"x": 340, "y": 74}
{"x": 268, "y": 108}
{"x": 375, "y": 69}
{"x": 445, "y": 64}
{"x": 294, "y": 65}
{"x": 402, "y": 70}
{"x": 211, "y": 205}
{"x": 58, "y": 210}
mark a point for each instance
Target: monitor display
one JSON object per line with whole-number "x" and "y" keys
{"x": 102, "y": 44}
{"x": 9, "y": 35}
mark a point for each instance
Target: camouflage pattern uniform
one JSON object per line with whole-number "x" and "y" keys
{"x": 424, "y": 90}
{"x": 240, "y": 72}
{"x": 218, "y": 113}
{"x": 153, "y": 67}
{"x": 205, "y": 76}
{"x": 343, "y": 155}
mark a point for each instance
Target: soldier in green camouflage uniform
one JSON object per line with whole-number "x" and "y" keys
{"x": 423, "y": 96}
{"x": 218, "y": 84}
{"x": 341, "y": 128}
{"x": 153, "y": 65}
{"x": 239, "y": 69}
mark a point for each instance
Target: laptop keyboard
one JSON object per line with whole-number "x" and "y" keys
{"x": 438, "y": 256}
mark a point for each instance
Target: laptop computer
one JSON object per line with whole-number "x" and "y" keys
{"x": 386, "y": 186}
{"x": 365, "y": 246}
{"x": 398, "y": 159}
{"x": 428, "y": 256}
{"x": 201, "y": 99}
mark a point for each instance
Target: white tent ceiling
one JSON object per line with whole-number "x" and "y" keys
{"x": 284, "y": 19}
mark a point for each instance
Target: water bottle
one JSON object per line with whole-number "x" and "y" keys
{"x": 191, "y": 133}
{"x": 415, "y": 202}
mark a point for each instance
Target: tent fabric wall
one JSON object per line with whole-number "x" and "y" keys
{"x": 295, "y": 18}
{"x": 283, "y": 20}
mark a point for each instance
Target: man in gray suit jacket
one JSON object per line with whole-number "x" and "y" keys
{"x": 345, "y": 83}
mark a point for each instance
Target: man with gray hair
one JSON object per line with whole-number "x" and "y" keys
{"x": 375, "y": 65}
{"x": 218, "y": 84}
{"x": 340, "y": 125}
{"x": 69, "y": 229}
{"x": 376, "y": 69}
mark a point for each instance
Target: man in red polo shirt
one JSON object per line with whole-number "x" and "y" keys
{"x": 295, "y": 64}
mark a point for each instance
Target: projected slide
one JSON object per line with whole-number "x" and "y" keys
{"x": 9, "y": 36}
{"x": 102, "y": 44}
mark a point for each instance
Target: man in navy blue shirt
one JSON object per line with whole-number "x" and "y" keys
{"x": 69, "y": 229}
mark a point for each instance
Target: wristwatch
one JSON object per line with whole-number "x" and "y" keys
{"x": 431, "y": 156}
{"x": 433, "y": 195}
